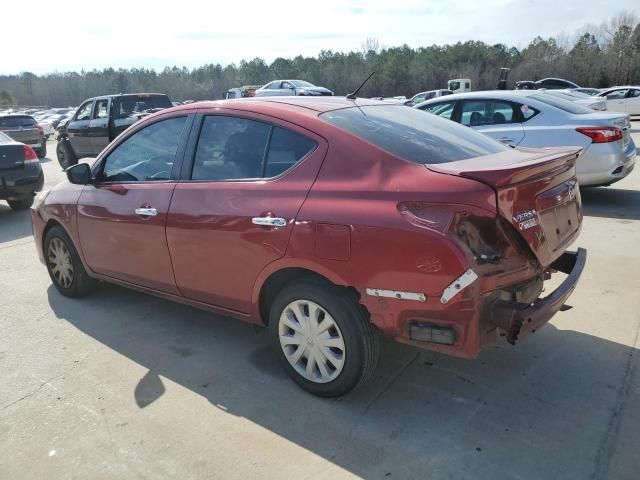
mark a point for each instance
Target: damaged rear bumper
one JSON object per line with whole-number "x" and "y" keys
{"x": 518, "y": 321}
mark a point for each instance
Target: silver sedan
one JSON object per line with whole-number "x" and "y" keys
{"x": 530, "y": 118}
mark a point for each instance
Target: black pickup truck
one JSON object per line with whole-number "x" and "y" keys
{"x": 101, "y": 119}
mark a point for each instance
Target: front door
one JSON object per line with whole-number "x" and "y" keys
{"x": 633, "y": 101}
{"x": 78, "y": 130}
{"x": 122, "y": 215}
{"x": 617, "y": 100}
{"x": 99, "y": 125}
{"x": 234, "y": 212}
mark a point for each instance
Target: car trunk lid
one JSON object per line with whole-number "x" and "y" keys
{"x": 536, "y": 192}
{"x": 11, "y": 156}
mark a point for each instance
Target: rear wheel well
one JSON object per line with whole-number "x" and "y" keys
{"x": 280, "y": 279}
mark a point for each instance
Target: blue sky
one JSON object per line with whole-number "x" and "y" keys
{"x": 191, "y": 33}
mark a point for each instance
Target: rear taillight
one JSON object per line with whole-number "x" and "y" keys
{"x": 30, "y": 155}
{"x": 601, "y": 134}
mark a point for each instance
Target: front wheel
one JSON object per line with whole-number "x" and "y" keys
{"x": 323, "y": 337}
{"x": 66, "y": 155}
{"x": 64, "y": 265}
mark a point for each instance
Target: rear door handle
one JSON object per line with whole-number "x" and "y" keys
{"x": 269, "y": 221}
{"x": 146, "y": 212}
{"x": 506, "y": 140}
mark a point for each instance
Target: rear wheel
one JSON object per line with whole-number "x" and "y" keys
{"x": 323, "y": 337}
{"x": 64, "y": 265}
{"x": 21, "y": 203}
{"x": 66, "y": 156}
{"x": 42, "y": 151}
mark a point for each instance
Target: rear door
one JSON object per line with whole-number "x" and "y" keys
{"x": 499, "y": 119}
{"x": 234, "y": 210}
{"x": 78, "y": 130}
{"x": 99, "y": 125}
{"x": 122, "y": 214}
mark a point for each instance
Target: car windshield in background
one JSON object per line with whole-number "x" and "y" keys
{"x": 566, "y": 105}
{"x": 301, "y": 83}
{"x": 136, "y": 104}
{"x": 412, "y": 134}
{"x": 12, "y": 122}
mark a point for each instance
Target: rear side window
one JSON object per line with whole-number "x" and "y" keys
{"x": 413, "y": 135}
{"x": 486, "y": 112}
{"x": 130, "y": 104}
{"x": 233, "y": 148}
{"x": 565, "y": 105}
{"x": 12, "y": 122}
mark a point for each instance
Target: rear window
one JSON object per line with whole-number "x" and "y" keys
{"x": 9, "y": 122}
{"x": 412, "y": 134}
{"x": 128, "y": 104}
{"x": 565, "y": 105}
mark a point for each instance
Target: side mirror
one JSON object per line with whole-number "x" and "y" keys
{"x": 291, "y": 87}
{"x": 79, "y": 174}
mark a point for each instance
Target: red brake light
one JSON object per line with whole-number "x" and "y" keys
{"x": 601, "y": 134}
{"x": 30, "y": 155}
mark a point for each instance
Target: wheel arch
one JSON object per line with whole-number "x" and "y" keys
{"x": 275, "y": 277}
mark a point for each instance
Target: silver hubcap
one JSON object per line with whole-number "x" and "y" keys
{"x": 311, "y": 341}
{"x": 60, "y": 263}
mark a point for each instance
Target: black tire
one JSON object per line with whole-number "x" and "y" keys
{"x": 81, "y": 284}
{"x": 21, "y": 204}
{"x": 42, "y": 151}
{"x": 66, "y": 155}
{"x": 360, "y": 337}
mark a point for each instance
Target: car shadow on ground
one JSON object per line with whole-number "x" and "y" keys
{"x": 515, "y": 412}
{"x": 611, "y": 203}
{"x": 14, "y": 224}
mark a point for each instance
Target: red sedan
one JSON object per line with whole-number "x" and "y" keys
{"x": 328, "y": 220}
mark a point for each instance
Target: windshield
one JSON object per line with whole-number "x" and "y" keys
{"x": 301, "y": 83}
{"x": 413, "y": 135}
{"x": 10, "y": 122}
{"x": 561, "y": 103}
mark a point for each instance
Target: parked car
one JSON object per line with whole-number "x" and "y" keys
{"x": 548, "y": 83}
{"x": 241, "y": 92}
{"x": 99, "y": 120}
{"x": 20, "y": 173}
{"x": 595, "y": 103}
{"x": 424, "y": 96}
{"x": 533, "y": 118}
{"x": 291, "y": 87}
{"x": 328, "y": 221}
{"x": 25, "y": 129}
{"x": 459, "y": 85}
{"x": 622, "y": 99}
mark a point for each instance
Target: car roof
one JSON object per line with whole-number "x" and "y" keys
{"x": 136, "y": 94}
{"x": 5, "y": 115}
{"x": 312, "y": 105}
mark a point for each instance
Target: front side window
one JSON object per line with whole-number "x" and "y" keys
{"x": 100, "y": 110}
{"x": 617, "y": 95}
{"x": 147, "y": 155}
{"x": 443, "y": 109}
{"x": 84, "y": 112}
{"x": 233, "y": 148}
{"x": 413, "y": 135}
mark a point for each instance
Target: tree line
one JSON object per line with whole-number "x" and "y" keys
{"x": 597, "y": 56}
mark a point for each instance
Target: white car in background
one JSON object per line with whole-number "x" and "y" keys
{"x": 532, "y": 118}
{"x": 622, "y": 99}
{"x": 279, "y": 88}
{"x": 428, "y": 95}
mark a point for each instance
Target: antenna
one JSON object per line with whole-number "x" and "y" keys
{"x": 352, "y": 96}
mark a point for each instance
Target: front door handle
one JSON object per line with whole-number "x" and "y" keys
{"x": 146, "y": 212}
{"x": 269, "y": 221}
{"x": 506, "y": 140}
